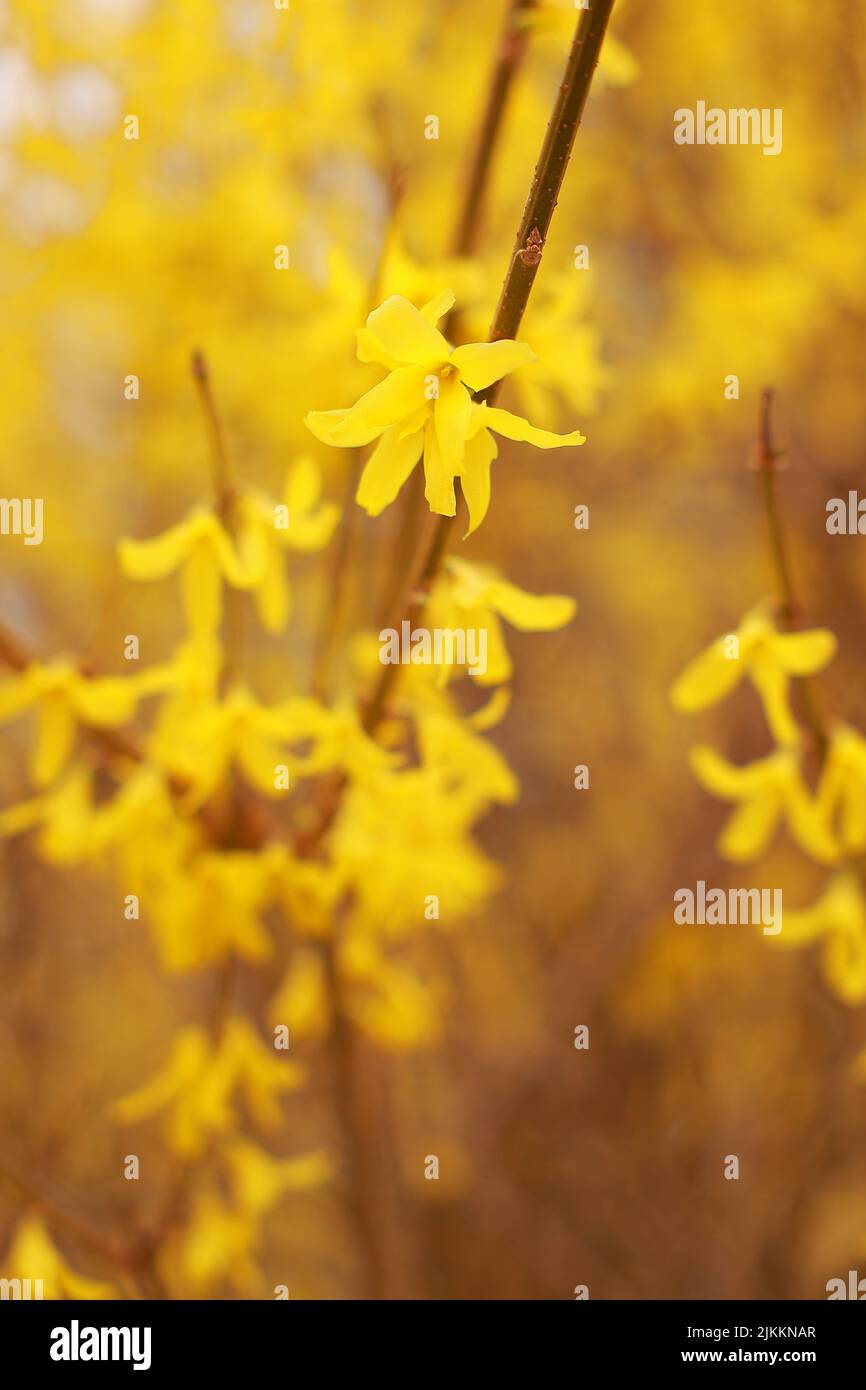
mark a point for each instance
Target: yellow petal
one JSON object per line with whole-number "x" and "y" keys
{"x": 406, "y": 334}
{"x": 804, "y": 653}
{"x": 440, "y": 305}
{"x": 724, "y": 779}
{"x": 749, "y": 830}
{"x": 202, "y": 590}
{"x": 710, "y": 677}
{"x": 387, "y": 469}
{"x": 480, "y": 364}
{"x": 529, "y": 612}
{"x": 515, "y": 427}
{"x": 438, "y": 477}
{"x": 155, "y": 558}
{"x": 303, "y": 485}
{"x": 18, "y": 693}
{"x": 475, "y": 478}
{"x": 772, "y": 684}
{"x": 451, "y": 415}
{"x": 54, "y": 739}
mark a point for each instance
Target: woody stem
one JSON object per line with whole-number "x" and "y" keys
{"x": 790, "y": 611}
{"x": 517, "y": 286}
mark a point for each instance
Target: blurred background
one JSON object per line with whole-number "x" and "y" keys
{"x": 305, "y": 128}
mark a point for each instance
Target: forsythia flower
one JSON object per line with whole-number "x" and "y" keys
{"x": 249, "y": 556}
{"x": 768, "y": 657}
{"x": 385, "y": 998}
{"x": 425, "y": 406}
{"x": 210, "y": 906}
{"x": 769, "y": 791}
{"x": 259, "y": 1180}
{"x": 34, "y": 1256}
{"x": 302, "y": 522}
{"x": 468, "y": 596}
{"x": 842, "y": 789}
{"x": 838, "y": 918}
{"x": 63, "y": 698}
{"x": 202, "y": 549}
{"x": 216, "y": 1244}
{"x": 197, "y": 1084}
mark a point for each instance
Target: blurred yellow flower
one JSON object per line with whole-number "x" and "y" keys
{"x": 34, "y": 1256}
{"x": 769, "y": 791}
{"x": 64, "y": 697}
{"x": 768, "y": 657}
{"x": 259, "y": 1179}
{"x": 202, "y": 549}
{"x": 198, "y": 1084}
{"x": 841, "y": 791}
{"x": 471, "y": 596}
{"x": 838, "y": 920}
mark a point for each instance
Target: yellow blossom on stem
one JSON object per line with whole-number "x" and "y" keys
{"x": 202, "y": 549}
{"x": 468, "y": 596}
{"x": 769, "y": 792}
{"x": 838, "y": 920}
{"x": 34, "y": 1256}
{"x": 425, "y": 407}
{"x": 768, "y": 657}
{"x": 198, "y": 1085}
{"x": 63, "y": 698}
{"x": 302, "y": 521}
{"x": 841, "y": 791}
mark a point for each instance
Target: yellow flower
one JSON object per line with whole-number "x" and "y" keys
{"x": 842, "y": 788}
{"x": 63, "y": 698}
{"x": 469, "y": 596}
{"x": 385, "y": 998}
{"x": 197, "y": 1085}
{"x": 208, "y": 906}
{"x": 302, "y": 1001}
{"x": 768, "y": 657}
{"x": 213, "y": 1246}
{"x": 302, "y": 522}
{"x": 769, "y": 791}
{"x": 259, "y": 1180}
{"x": 425, "y": 406}
{"x": 838, "y": 919}
{"x": 202, "y": 741}
{"x": 202, "y": 549}
{"x": 33, "y": 1256}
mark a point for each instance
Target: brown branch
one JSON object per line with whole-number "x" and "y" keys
{"x": 512, "y": 47}
{"x": 790, "y": 610}
{"x": 517, "y": 286}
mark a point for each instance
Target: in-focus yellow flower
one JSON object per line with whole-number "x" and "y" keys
{"x": 768, "y": 657}
{"x": 425, "y": 406}
{"x": 64, "y": 697}
{"x": 475, "y": 597}
{"x": 198, "y": 1084}
{"x": 34, "y": 1256}
{"x": 769, "y": 791}
{"x": 838, "y": 919}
